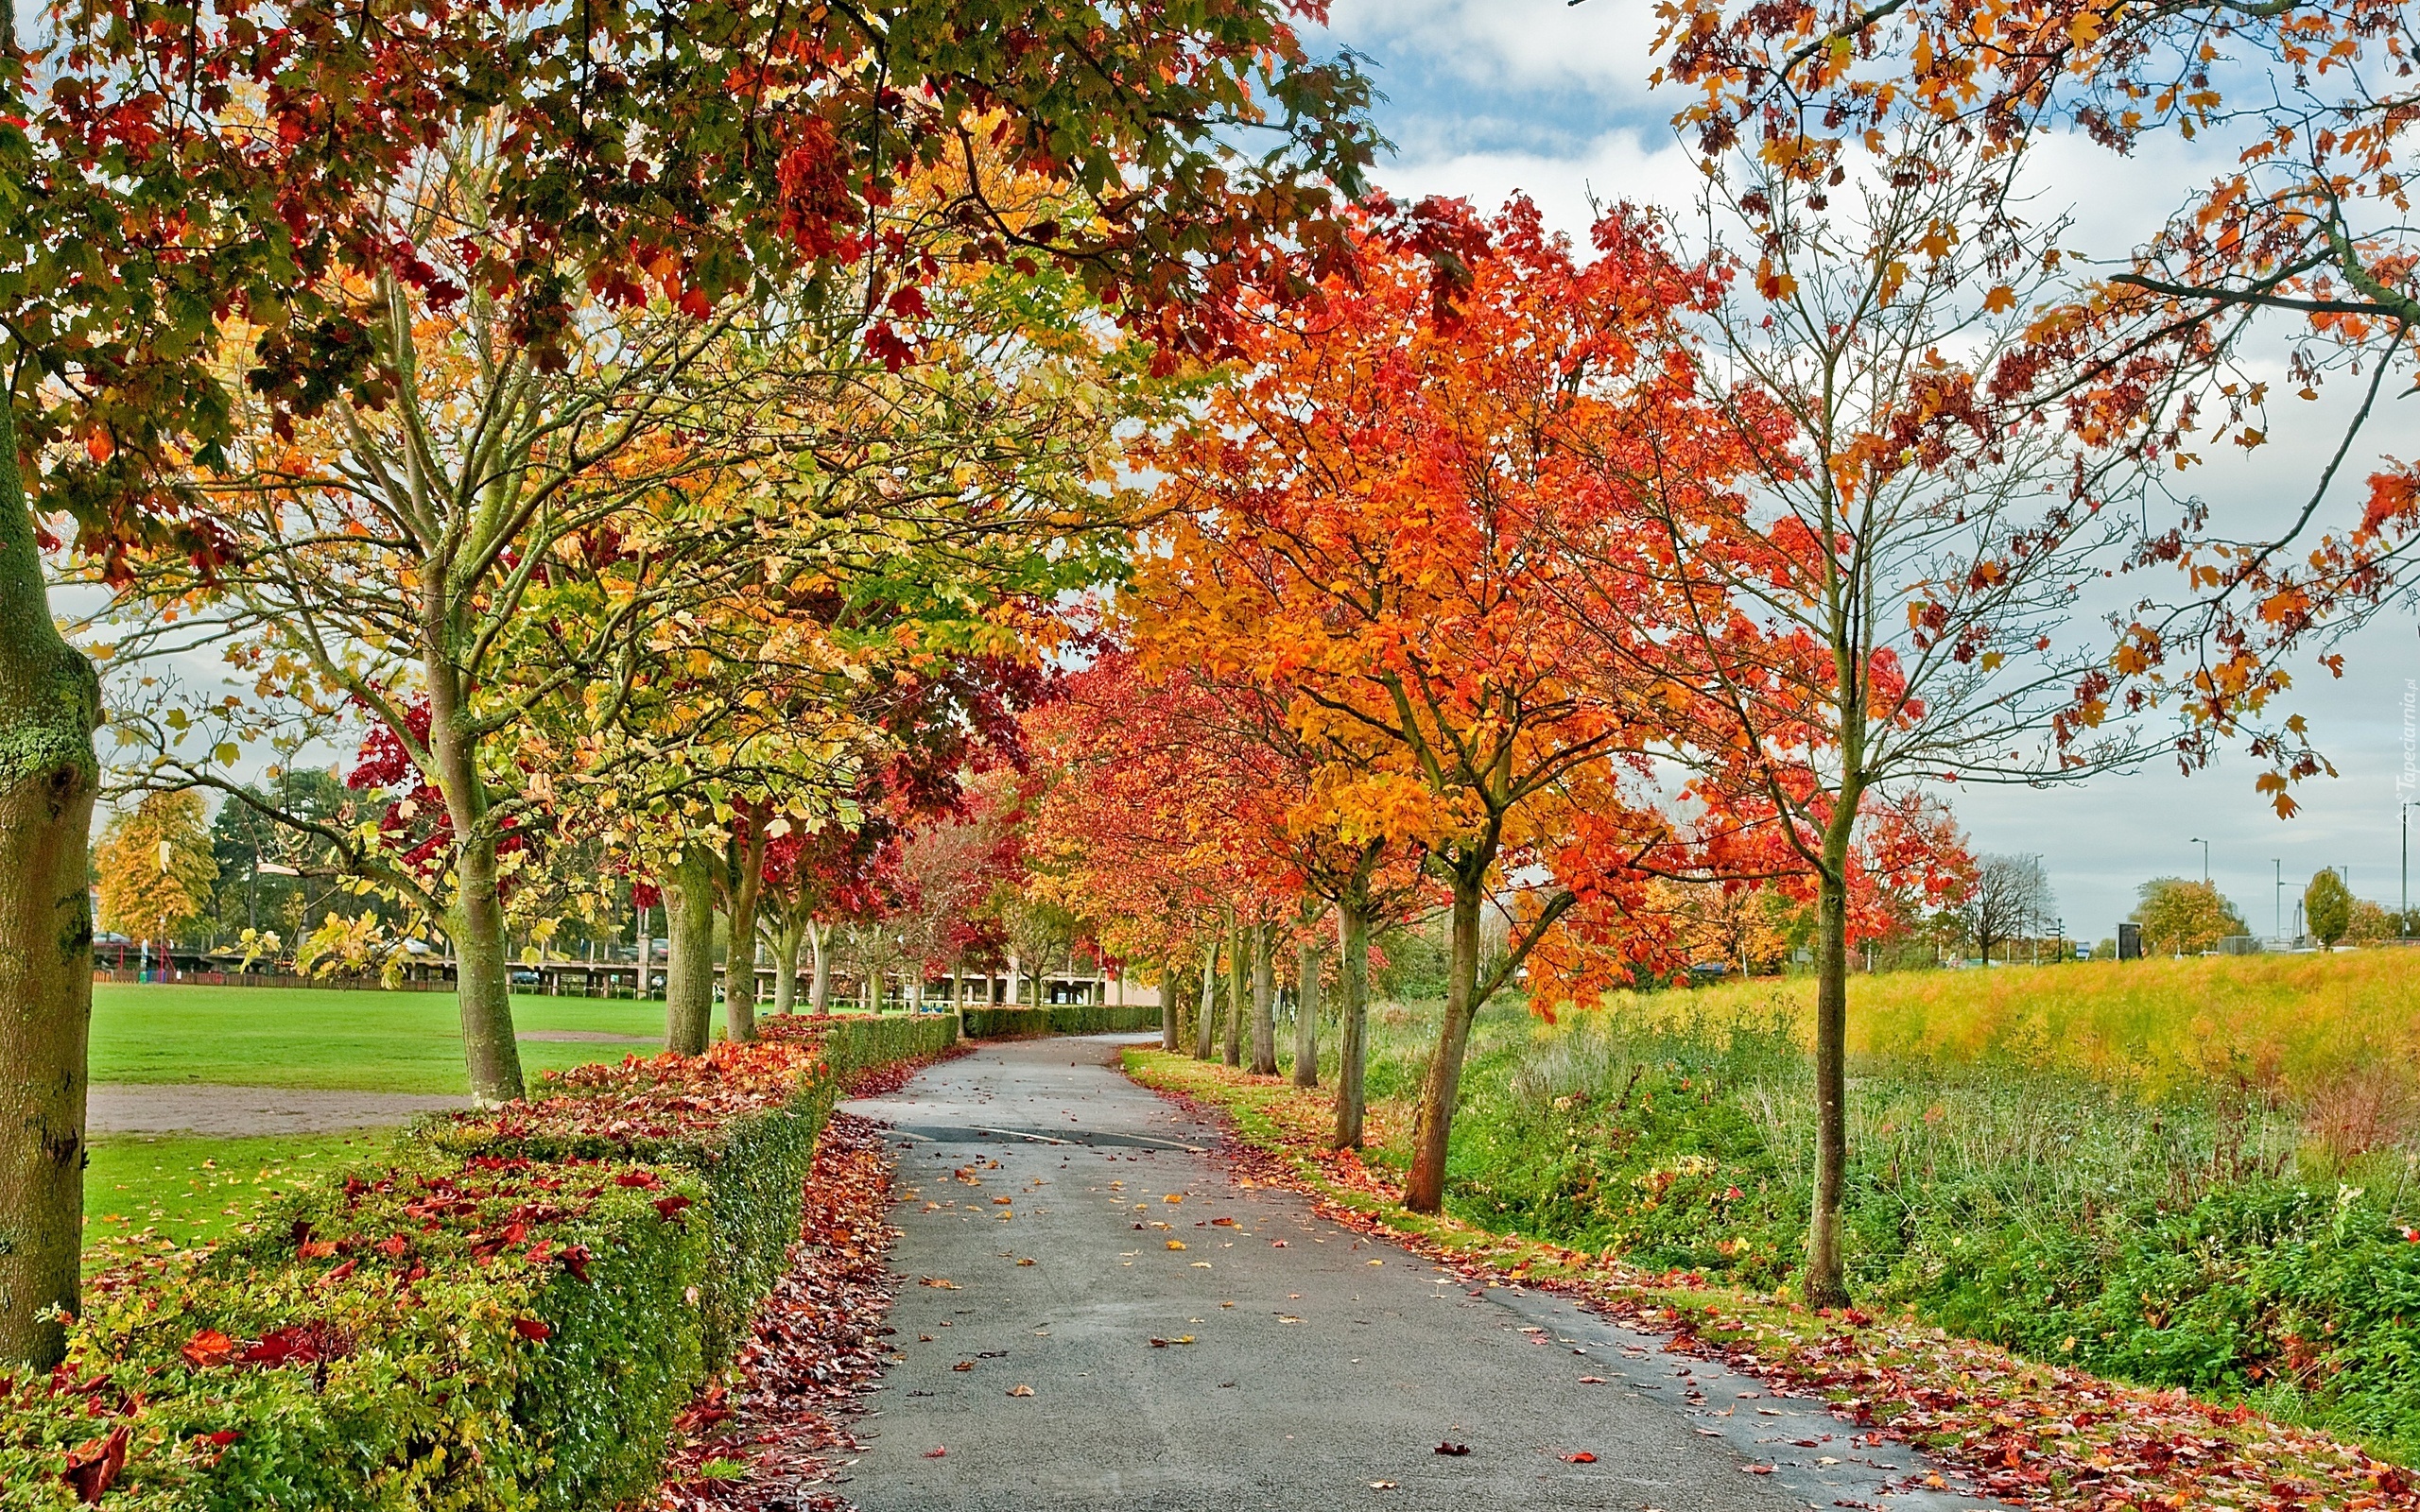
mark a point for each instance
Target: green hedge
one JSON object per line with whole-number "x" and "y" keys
{"x": 507, "y": 1313}
{"x": 1059, "y": 1018}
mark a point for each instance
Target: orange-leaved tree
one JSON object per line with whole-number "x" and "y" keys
{"x": 1369, "y": 517}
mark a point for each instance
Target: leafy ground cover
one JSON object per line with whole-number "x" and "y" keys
{"x": 548, "y": 1284}
{"x": 2041, "y": 1432}
{"x": 343, "y": 1041}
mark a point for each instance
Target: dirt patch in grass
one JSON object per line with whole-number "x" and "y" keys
{"x": 151, "y": 1108}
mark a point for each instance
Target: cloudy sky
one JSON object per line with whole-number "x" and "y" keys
{"x": 1490, "y": 96}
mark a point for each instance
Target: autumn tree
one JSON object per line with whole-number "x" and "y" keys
{"x": 2183, "y": 917}
{"x": 741, "y": 162}
{"x": 2299, "y": 239}
{"x": 2327, "y": 908}
{"x": 1369, "y": 517}
{"x": 155, "y": 867}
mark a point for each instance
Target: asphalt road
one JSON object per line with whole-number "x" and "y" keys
{"x": 1058, "y": 1219}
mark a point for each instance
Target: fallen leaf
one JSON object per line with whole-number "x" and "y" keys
{"x": 1027, "y": 1261}
{"x": 1451, "y": 1448}
{"x": 1583, "y": 1457}
{"x": 937, "y": 1283}
{"x": 1020, "y": 1391}
{"x": 1757, "y": 1470}
{"x": 936, "y": 1452}
{"x": 531, "y": 1329}
{"x": 1173, "y": 1196}
{"x": 1176, "y": 1244}
{"x": 963, "y": 1364}
{"x": 1592, "y": 1380}
{"x": 1382, "y": 1485}
{"x": 208, "y": 1348}
{"x": 93, "y": 1465}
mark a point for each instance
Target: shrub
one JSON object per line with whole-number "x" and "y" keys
{"x": 507, "y": 1312}
{"x": 1059, "y": 1018}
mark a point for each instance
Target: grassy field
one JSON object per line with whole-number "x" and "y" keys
{"x": 189, "y": 1189}
{"x": 343, "y": 1041}
{"x": 2200, "y": 1172}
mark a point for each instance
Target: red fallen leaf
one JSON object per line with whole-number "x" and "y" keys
{"x": 1277, "y": 1244}
{"x": 208, "y": 1348}
{"x": 292, "y": 1344}
{"x": 671, "y": 1206}
{"x": 1583, "y": 1457}
{"x": 315, "y": 1249}
{"x": 222, "y": 1438}
{"x": 936, "y": 1452}
{"x": 394, "y": 1246}
{"x": 93, "y": 1465}
{"x": 1450, "y": 1448}
{"x": 530, "y": 1328}
{"x": 1756, "y": 1469}
{"x": 342, "y": 1271}
{"x": 1592, "y": 1380}
{"x": 575, "y": 1259}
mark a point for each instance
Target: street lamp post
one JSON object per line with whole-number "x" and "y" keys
{"x": 2206, "y": 858}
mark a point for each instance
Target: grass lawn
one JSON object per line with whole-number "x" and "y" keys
{"x": 188, "y": 1188}
{"x": 341, "y": 1041}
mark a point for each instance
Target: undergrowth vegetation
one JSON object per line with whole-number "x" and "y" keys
{"x": 500, "y": 1309}
{"x": 2234, "y": 1231}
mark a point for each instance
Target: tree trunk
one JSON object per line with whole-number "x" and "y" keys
{"x": 1352, "y": 1038}
{"x": 1015, "y": 971}
{"x": 482, "y": 968}
{"x": 1205, "y": 1024}
{"x": 1424, "y": 1190}
{"x": 1306, "y": 1015}
{"x": 785, "y": 946}
{"x": 689, "y": 964}
{"x": 818, "y": 992}
{"x": 1826, "y": 1283}
{"x": 1264, "y": 1001}
{"x": 646, "y": 954}
{"x": 1238, "y": 975}
{"x": 49, "y": 707}
{"x": 957, "y": 986}
{"x": 1172, "y": 1013}
{"x": 740, "y": 968}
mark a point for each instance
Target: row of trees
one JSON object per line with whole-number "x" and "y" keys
{"x": 665, "y": 447}
{"x": 657, "y": 443}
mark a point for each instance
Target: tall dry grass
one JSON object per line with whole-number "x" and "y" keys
{"x": 2299, "y": 1027}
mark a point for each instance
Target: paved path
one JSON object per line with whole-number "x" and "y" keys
{"x": 1037, "y": 1181}
{"x": 135, "y": 1107}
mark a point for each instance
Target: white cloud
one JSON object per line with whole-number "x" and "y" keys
{"x": 1602, "y": 45}
{"x": 1617, "y": 166}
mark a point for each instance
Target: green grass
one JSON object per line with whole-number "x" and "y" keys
{"x": 189, "y": 1189}
{"x": 339, "y": 1040}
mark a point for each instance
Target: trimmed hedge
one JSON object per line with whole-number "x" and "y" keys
{"x": 1059, "y": 1018}
{"x": 507, "y": 1312}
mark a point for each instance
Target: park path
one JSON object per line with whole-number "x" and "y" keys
{"x": 1309, "y": 1366}
{"x": 203, "y": 1108}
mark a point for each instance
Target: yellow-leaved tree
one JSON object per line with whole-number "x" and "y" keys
{"x": 155, "y": 867}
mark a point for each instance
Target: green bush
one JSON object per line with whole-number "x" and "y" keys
{"x": 1059, "y": 1018}
{"x": 508, "y": 1312}
{"x": 474, "y": 1334}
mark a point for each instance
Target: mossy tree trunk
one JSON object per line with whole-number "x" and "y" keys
{"x": 49, "y": 707}
{"x": 1238, "y": 987}
{"x": 1424, "y": 1189}
{"x": 1352, "y": 1018}
{"x": 1206, "y": 1023}
{"x": 474, "y": 914}
{"x": 747, "y": 886}
{"x": 785, "y": 947}
{"x": 1306, "y": 1013}
{"x": 689, "y": 965}
{"x": 1264, "y": 1000}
